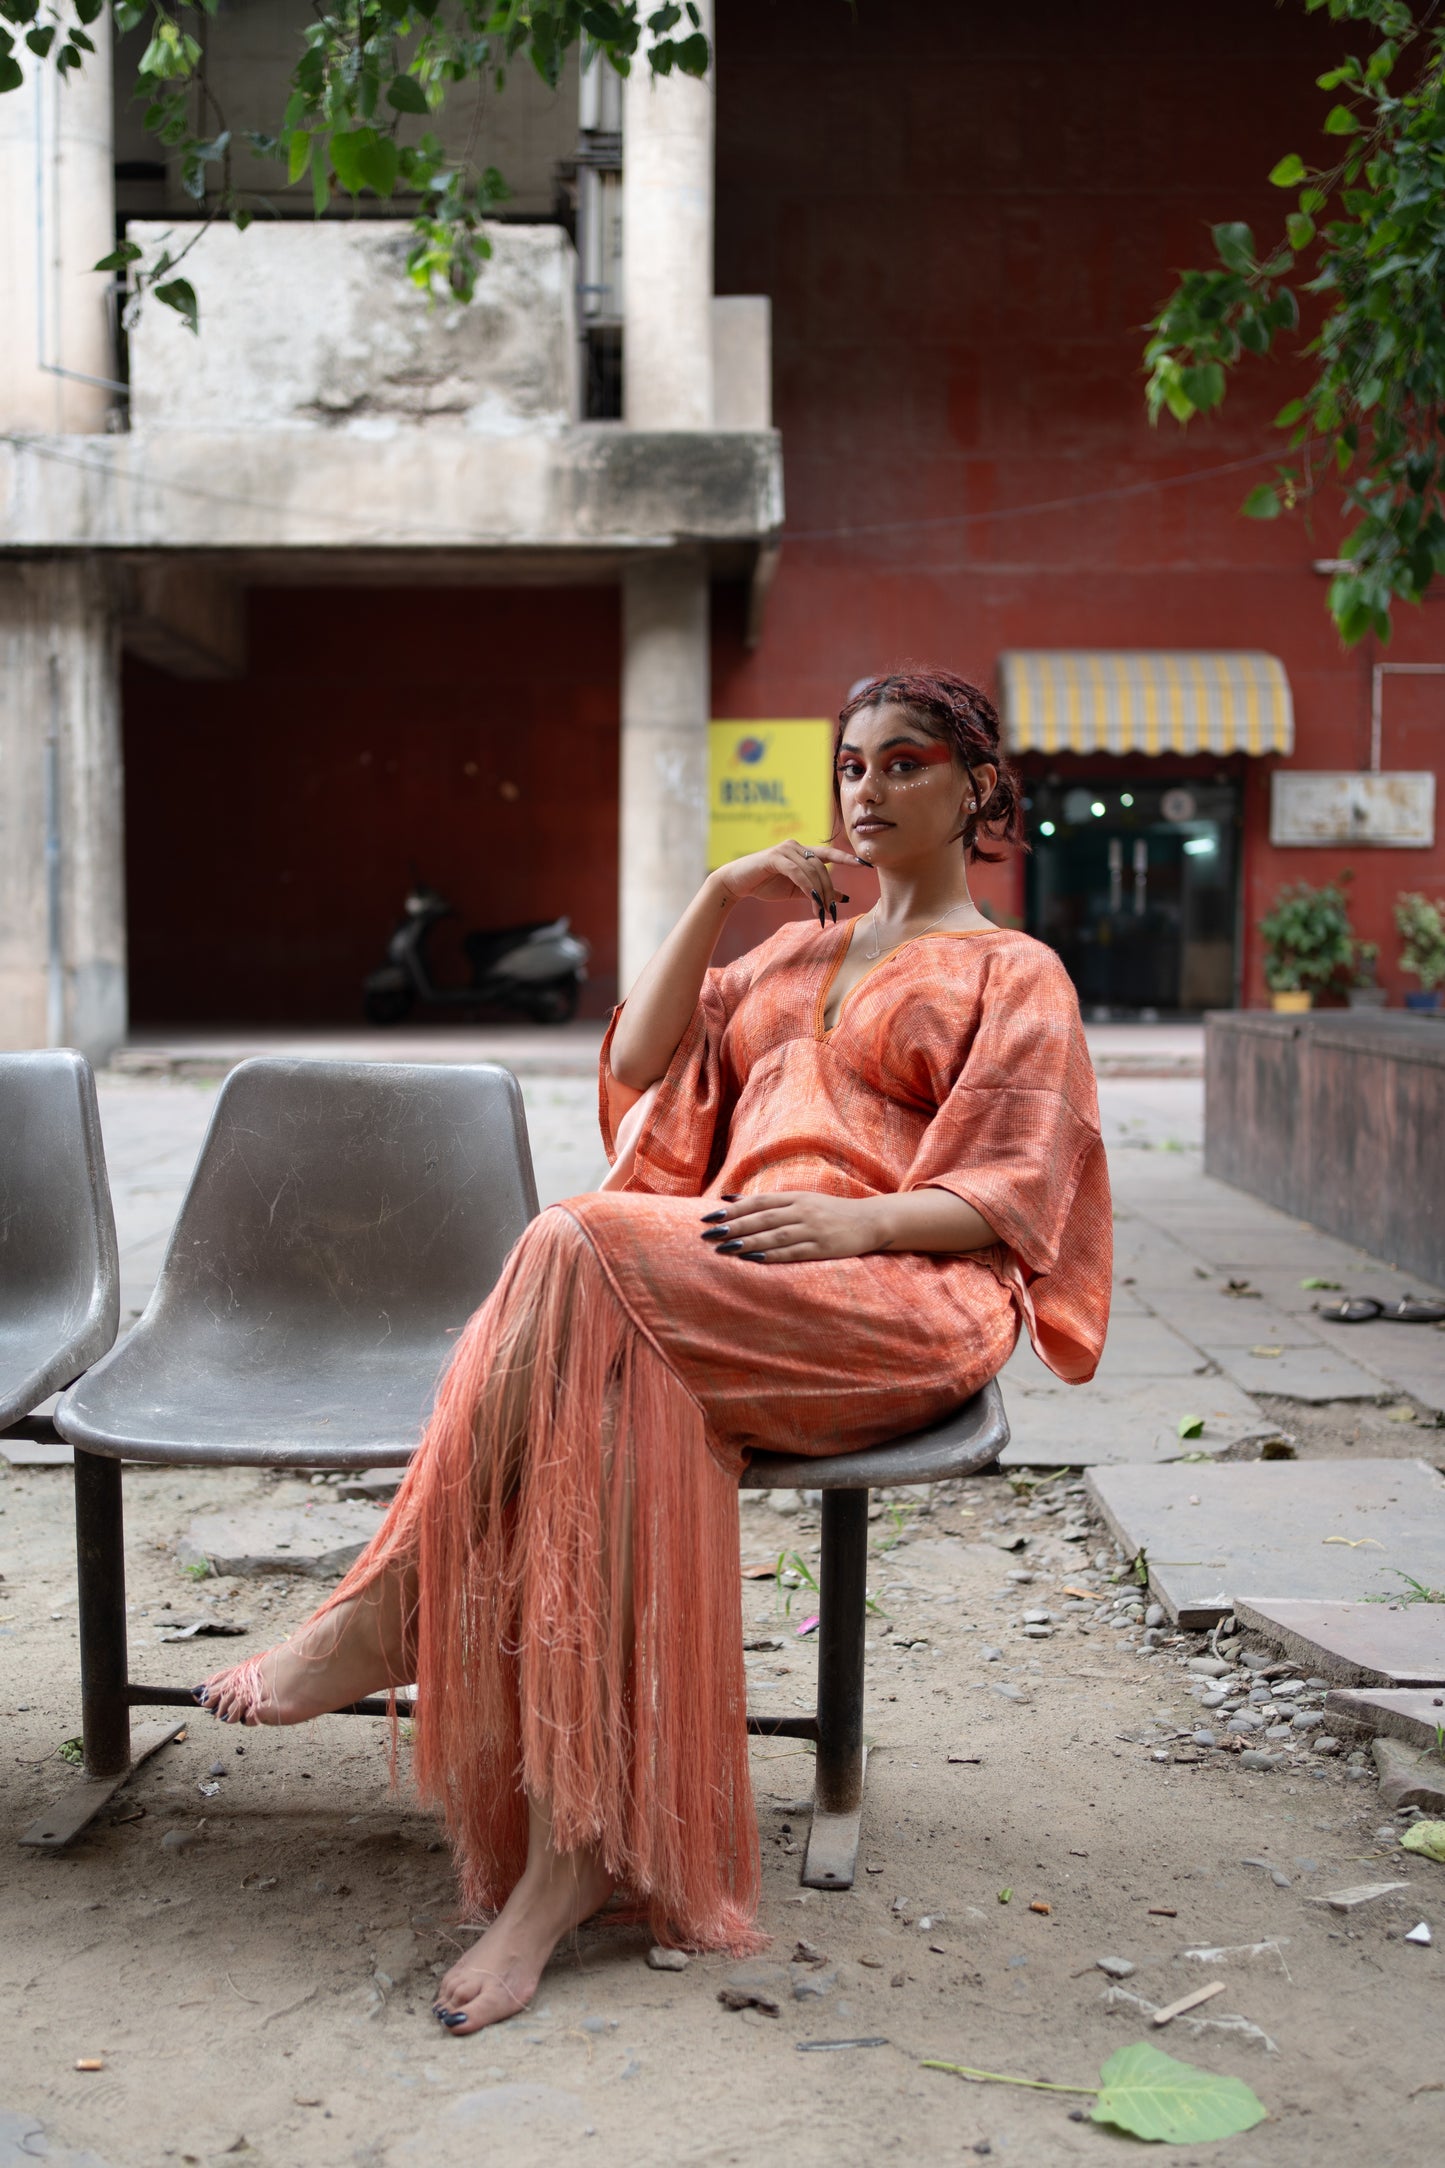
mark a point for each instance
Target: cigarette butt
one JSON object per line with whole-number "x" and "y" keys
{"x": 1188, "y": 2002}
{"x": 89, "y": 2062}
{"x": 1038, "y": 1905}
{"x": 1163, "y": 1912}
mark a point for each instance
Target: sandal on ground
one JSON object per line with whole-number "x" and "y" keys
{"x": 1359, "y": 1309}
{"x": 1414, "y": 1310}
{"x": 1354, "y": 1310}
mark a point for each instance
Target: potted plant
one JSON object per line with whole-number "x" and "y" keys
{"x": 1362, "y": 991}
{"x": 1422, "y": 933}
{"x": 1308, "y": 943}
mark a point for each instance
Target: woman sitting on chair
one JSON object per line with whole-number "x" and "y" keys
{"x": 895, "y": 1118}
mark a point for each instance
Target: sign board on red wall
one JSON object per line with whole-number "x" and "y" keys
{"x": 766, "y": 782}
{"x": 1324, "y": 807}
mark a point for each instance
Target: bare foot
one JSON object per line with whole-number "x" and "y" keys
{"x": 499, "y": 1975}
{"x": 359, "y": 1648}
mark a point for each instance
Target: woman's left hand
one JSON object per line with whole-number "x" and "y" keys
{"x": 797, "y": 1225}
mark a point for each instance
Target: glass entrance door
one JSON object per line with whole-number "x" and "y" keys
{"x": 1134, "y": 884}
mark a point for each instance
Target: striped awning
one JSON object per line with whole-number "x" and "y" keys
{"x": 1145, "y": 700}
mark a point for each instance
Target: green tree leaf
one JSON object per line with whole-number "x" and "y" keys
{"x": 1301, "y": 229}
{"x": 1235, "y": 244}
{"x": 1289, "y": 172}
{"x": 1262, "y": 502}
{"x": 1152, "y": 2095}
{"x": 12, "y": 75}
{"x": 346, "y": 148}
{"x": 1341, "y": 121}
{"x": 180, "y": 295}
{"x": 405, "y": 95}
{"x": 1191, "y": 1426}
{"x": 379, "y": 162}
{"x": 127, "y": 253}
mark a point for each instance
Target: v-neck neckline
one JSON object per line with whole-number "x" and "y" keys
{"x": 823, "y": 1030}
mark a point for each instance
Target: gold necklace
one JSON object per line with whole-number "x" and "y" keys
{"x": 873, "y": 915}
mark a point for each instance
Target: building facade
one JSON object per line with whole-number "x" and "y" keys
{"x": 353, "y": 588}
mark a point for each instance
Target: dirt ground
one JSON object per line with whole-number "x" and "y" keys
{"x": 252, "y": 1965}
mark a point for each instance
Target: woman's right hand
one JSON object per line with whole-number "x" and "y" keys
{"x": 786, "y": 869}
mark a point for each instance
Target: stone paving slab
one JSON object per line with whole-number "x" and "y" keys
{"x": 1411, "y": 1713}
{"x": 319, "y": 1540}
{"x": 1354, "y": 1644}
{"x": 1300, "y": 1373}
{"x": 1323, "y": 1530}
{"x": 1130, "y": 1419}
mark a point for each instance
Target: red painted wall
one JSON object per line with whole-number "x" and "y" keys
{"x": 964, "y": 215}
{"x": 272, "y": 822}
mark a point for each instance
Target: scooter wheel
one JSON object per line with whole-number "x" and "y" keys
{"x": 556, "y": 1004}
{"x": 388, "y": 1005}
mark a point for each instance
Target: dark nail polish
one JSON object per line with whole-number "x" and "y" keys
{"x": 842, "y": 898}
{"x": 833, "y": 908}
{"x": 458, "y": 2017}
{"x": 755, "y": 1257}
{"x": 816, "y": 897}
{"x": 728, "y": 1248}
{"x": 716, "y": 1234}
{"x": 718, "y": 1215}
{"x": 732, "y": 1196}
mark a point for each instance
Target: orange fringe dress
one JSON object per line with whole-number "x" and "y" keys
{"x": 571, "y": 1513}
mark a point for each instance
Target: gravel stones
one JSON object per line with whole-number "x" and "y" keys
{"x": 662, "y": 1960}
{"x": 1254, "y": 1758}
{"x": 1205, "y": 1667}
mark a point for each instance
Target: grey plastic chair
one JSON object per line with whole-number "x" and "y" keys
{"x": 59, "y": 1278}
{"x": 343, "y": 1222}
{"x": 965, "y": 1443}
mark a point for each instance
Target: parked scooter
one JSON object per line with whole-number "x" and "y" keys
{"x": 536, "y": 969}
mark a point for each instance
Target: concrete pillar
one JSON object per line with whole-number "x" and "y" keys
{"x": 62, "y": 885}
{"x": 667, "y": 242}
{"x": 57, "y": 218}
{"x": 665, "y": 700}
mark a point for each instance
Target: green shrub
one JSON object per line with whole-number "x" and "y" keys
{"x": 1308, "y": 941}
{"x": 1422, "y": 933}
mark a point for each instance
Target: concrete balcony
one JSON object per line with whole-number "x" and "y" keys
{"x": 331, "y": 418}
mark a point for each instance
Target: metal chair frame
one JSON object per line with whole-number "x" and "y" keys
{"x": 103, "y": 1431}
{"x": 964, "y": 1444}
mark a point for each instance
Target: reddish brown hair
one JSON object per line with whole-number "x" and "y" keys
{"x": 948, "y": 707}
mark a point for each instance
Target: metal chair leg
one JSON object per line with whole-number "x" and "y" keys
{"x": 100, "y": 1552}
{"x": 832, "y": 1856}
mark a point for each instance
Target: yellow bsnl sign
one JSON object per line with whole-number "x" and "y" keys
{"x": 766, "y": 782}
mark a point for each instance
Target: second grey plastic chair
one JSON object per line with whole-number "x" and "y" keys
{"x": 59, "y": 1279}
{"x": 343, "y": 1222}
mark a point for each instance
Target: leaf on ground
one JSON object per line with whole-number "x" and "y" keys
{"x": 1154, "y": 2096}
{"x": 1191, "y": 1426}
{"x": 1426, "y": 1837}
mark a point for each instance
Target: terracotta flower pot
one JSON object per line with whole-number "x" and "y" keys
{"x": 1294, "y": 1003}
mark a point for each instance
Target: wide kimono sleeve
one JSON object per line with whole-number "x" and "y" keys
{"x": 683, "y": 1133}
{"x": 1017, "y": 1137}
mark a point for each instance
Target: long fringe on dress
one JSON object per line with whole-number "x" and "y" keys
{"x": 578, "y": 1621}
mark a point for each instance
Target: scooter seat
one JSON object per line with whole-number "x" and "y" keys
{"x": 486, "y": 947}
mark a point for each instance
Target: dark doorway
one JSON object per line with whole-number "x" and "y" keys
{"x": 1134, "y": 883}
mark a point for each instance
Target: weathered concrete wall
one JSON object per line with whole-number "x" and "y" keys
{"x": 62, "y": 947}
{"x": 594, "y": 487}
{"x": 318, "y": 327}
{"x": 57, "y": 218}
{"x": 665, "y": 686}
{"x": 1338, "y": 1118}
